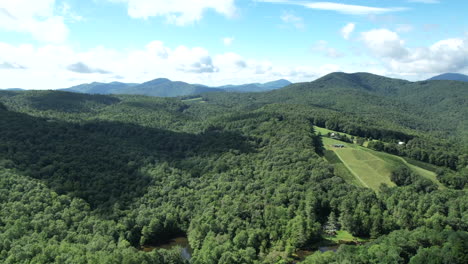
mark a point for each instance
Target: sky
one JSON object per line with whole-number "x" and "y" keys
{"x": 49, "y": 44}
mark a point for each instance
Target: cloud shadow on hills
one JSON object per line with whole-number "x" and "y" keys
{"x": 100, "y": 161}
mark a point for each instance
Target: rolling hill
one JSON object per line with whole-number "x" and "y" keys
{"x": 99, "y": 88}
{"x": 450, "y": 77}
{"x": 96, "y": 178}
{"x": 426, "y": 105}
{"x": 12, "y": 89}
{"x": 163, "y": 87}
{"x": 257, "y": 87}
{"x": 166, "y": 88}
{"x": 158, "y": 87}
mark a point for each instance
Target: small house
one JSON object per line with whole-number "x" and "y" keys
{"x": 338, "y": 145}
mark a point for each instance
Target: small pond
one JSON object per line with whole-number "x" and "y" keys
{"x": 303, "y": 253}
{"x": 186, "y": 251}
{"x": 182, "y": 242}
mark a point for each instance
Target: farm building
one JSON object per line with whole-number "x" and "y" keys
{"x": 338, "y": 145}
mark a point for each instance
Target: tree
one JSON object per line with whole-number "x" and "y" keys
{"x": 402, "y": 176}
{"x": 332, "y": 224}
{"x": 317, "y": 143}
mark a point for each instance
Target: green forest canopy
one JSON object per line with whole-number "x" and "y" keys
{"x": 91, "y": 178}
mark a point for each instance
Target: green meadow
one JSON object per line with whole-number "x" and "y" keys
{"x": 343, "y": 236}
{"x": 196, "y": 99}
{"x": 365, "y": 167}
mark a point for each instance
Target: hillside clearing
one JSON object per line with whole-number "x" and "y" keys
{"x": 364, "y": 167}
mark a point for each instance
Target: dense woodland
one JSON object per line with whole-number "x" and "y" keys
{"x": 92, "y": 178}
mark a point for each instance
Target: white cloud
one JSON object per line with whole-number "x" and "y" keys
{"x": 192, "y": 60}
{"x": 66, "y": 11}
{"x": 339, "y": 7}
{"x": 158, "y": 50}
{"x": 35, "y": 17}
{"x": 179, "y": 12}
{"x": 60, "y": 66}
{"x": 384, "y": 43}
{"x": 228, "y": 41}
{"x": 80, "y": 67}
{"x": 9, "y": 65}
{"x": 352, "y": 9}
{"x": 156, "y": 58}
{"x": 53, "y": 29}
{"x": 347, "y": 30}
{"x": 449, "y": 55}
{"x": 323, "y": 47}
{"x": 230, "y": 62}
{"x": 297, "y": 22}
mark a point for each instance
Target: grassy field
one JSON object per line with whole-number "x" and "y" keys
{"x": 325, "y": 131}
{"x": 369, "y": 169}
{"x": 417, "y": 167}
{"x": 365, "y": 167}
{"x": 341, "y": 170}
{"x": 196, "y": 99}
{"x": 344, "y": 237}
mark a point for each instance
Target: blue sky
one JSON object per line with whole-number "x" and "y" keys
{"x": 48, "y": 44}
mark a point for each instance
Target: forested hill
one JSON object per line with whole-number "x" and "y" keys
{"x": 257, "y": 87}
{"x": 431, "y": 106}
{"x": 99, "y": 88}
{"x": 163, "y": 87}
{"x": 94, "y": 178}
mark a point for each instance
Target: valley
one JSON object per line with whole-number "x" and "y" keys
{"x": 233, "y": 132}
{"x": 248, "y": 177}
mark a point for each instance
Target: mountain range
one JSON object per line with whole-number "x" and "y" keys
{"x": 13, "y": 89}
{"x": 244, "y": 177}
{"x": 432, "y": 105}
{"x": 163, "y": 87}
{"x": 426, "y": 105}
{"x": 256, "y": 87}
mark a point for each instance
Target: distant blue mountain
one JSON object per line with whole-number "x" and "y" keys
{"x": 13, "y": 89}
{"x": 450, "y": 77}
{"x": 257, "y": 87}
{"x": 166, "y": 88}
{"x": 100, "y": 88}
